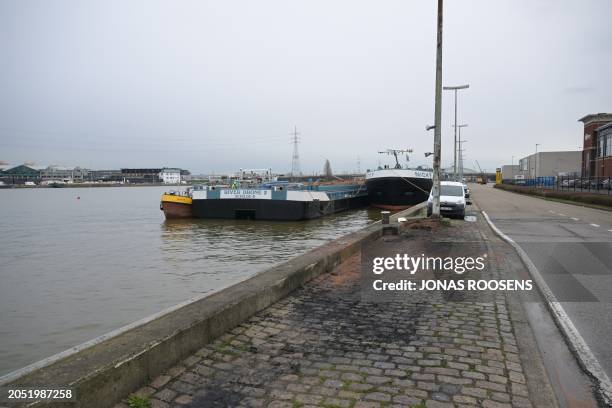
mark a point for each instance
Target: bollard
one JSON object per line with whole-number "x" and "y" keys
{"x": 385, "y": 217}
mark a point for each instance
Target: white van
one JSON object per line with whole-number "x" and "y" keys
{"x": 452, "y": 199}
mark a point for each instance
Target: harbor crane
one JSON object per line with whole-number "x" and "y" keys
{"x": 482, "y": 179}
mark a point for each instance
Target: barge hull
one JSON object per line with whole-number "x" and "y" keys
{"x": 175, "y": 206}
{"x": 279, "y": 210}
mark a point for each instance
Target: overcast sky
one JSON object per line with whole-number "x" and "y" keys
{"x": 219, "y": 85}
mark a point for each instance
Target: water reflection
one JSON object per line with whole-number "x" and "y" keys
{"x": 244, "y": 246}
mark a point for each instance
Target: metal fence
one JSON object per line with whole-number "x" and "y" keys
{"x": 596, "y": 185}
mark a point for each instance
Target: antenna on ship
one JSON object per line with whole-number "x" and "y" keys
{"x": 295, "y": 160}
{"x": 395, "y": 152}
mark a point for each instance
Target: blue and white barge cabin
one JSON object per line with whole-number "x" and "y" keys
{"x": 277, "y": 201}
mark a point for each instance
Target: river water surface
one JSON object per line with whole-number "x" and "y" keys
{"x": 73, "y": 269}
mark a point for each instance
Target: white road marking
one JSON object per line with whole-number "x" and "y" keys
{"x": 563, "y": 215}
{"x": 575, "y": 219}
{"x": 551, "y": 211}
{"x": 594, "y": 225}
{"x": 586, "y": 356}
{"x": 610, "y": 230}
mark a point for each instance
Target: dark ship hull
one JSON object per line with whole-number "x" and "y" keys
{"x": 398, "y": 191}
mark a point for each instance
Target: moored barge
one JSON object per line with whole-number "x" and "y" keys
{"x": 275, "y": 201}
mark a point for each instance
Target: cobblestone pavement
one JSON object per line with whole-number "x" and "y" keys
{"x": 323, "y": 347}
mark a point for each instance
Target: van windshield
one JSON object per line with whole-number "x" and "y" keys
{"x": 456, "y": 191}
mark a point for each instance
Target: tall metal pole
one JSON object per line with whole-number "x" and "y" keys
{"x": 438, "y": 119}
{"x": 460, "y": 177}
{"x": 455, "y": 159}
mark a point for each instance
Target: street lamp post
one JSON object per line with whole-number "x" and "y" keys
{"x": 435, "y": 211}
{"x": 455, "y": 88}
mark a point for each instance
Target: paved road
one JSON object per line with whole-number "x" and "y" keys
{"x": 572, "y": 248}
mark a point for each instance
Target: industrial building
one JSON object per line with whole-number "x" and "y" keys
{"x": 510, "y": 171}
{"x": 54, "y": 174}
{"x": 21, "y": 174}
{"x": 597, "y": 145}
{"x": 66, "y": 174}
{"x": 550, "y": 164}
{"x": 106, "y": 175}
{"x": 141, "y": 175}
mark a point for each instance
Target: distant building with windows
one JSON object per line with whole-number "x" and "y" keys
{"x": 603, "y": 157}
{"x": 141, "y": 175}
{"x": 596, "y": 153}
{"x": 170, "y": 176}
{"x": 106, "y": 175}
{"x": 167, "y": 175}
{"x": 66, "y": 174}
{"x": 53, "y": 173}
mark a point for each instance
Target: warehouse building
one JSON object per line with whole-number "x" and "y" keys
{"x": 66, "y": 174}
{"x": 21, "y": 174}
{"x": 106, "y": 175}
{"x": 551, "y": 164}
{"x": 141, "y": 175}
{"x": 510, "y": 171}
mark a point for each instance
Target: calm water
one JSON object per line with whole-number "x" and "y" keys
{"x": 71, "y": 270}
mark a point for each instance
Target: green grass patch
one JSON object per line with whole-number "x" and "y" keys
{"x": 136, "y": 401}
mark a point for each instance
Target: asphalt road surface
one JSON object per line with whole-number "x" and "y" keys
{"x": 572, "y": 248}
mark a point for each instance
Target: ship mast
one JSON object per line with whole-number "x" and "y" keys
{"x": 395, "y": 152}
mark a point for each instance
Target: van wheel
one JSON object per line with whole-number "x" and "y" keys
{"x": 462, "y": 215}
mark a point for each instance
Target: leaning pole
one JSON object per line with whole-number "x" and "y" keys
{"x": 438, "y": 120}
